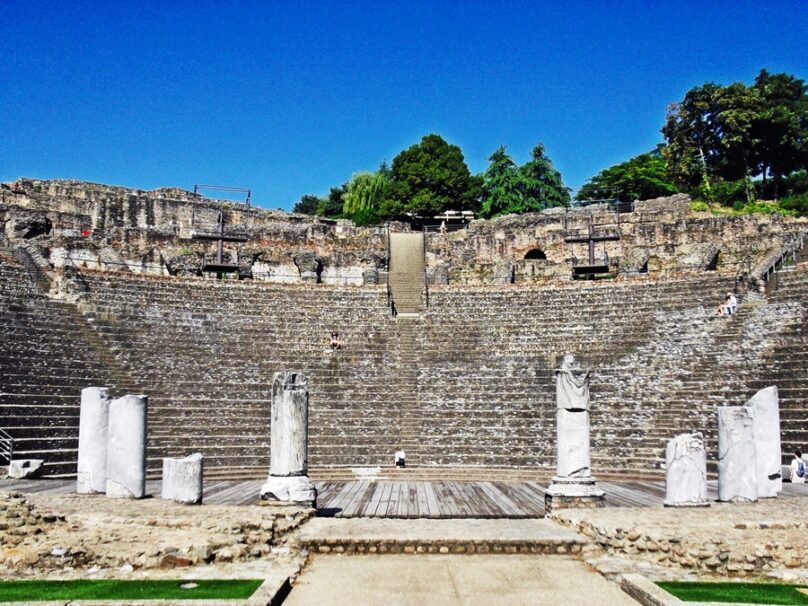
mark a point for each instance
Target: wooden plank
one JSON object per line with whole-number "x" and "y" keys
{"x": 412, "y": 500}
{"x": 431, "y": 500}
{"x": 403, "y": 509}
{"x": 462, "y": 503}
{"x": 420, "y": 497}
{"x": 251, "y": 493}
{"x": 363, "y": 497}
{"x": 395, "y": 496}
{"x": 529, "y": 505}
{"x": 501, "y": 499}
{"x": 347, "y": 497}
{"x": 488, "y": 506}
{"x": 446, "y": 504}
{"x": 353, "y": 505}
{"x": 384, "y": 500}
{"x": 333, "y": 505}
{"x": 370, "y": 507}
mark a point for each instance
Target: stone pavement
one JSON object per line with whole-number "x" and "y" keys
{"x": 439, "y": 580}
{"x": 387, "y": 535}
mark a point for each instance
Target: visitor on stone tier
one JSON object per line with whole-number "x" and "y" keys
{"x": 732, "y": 304}
{"x": 798, "y": 469}
{"x": 401, "y": 458}
{"x": 335, "y": 342}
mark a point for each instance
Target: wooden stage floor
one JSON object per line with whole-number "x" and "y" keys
{"x": 400, "y": 499}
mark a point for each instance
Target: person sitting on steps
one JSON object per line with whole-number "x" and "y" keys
{"x": 798, "y": 469}
{"x": 335, "y": 341}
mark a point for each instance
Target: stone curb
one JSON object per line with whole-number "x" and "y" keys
{"x": 648, "y": 593}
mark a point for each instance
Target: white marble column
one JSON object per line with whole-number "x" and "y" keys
{"x": 765, "y": 406}
{"x": 93, "y": 422}
{"x": 288, "y": 481}
{"x": 737, "y": 457}
{"x": 573, "y": 485}
{"x": 686, "y": 472}
{"x": 126, "y": 452}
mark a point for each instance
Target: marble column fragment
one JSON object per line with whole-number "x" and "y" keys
{"x": 126, "y": 452}
{"x": 737, "y": 456}
{"x": 765, "y": 407}
{"x": 686, "y": 472}
{"x": 288, "y": 481}
{"x": 93, "y": 423}
{"x": 573, "y": 485}
{"x": 182, "y": 479}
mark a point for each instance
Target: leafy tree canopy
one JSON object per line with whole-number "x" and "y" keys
{"x": 307, "y": 205}
{"x": 531, "y": 187}
{"x": 431, "y": 177}
{"x": 640, "y": 178}
{"x": 364, "y": 195}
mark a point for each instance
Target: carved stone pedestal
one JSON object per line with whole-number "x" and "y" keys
{"x": 568, "y": 493}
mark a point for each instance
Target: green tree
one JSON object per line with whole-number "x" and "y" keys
{"x": 542, "y": 186}
{"x": 307, "y": 205}
{"x": 430, "y": 177}
{"x": 640, "y": 178}
{"x": 502, "y": 186}
{"x": 363, "y": 197}
{"x": 331, "y": 205}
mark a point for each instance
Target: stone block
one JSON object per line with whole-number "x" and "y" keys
{"x": 686, "y": 472}
{"x": 93, "y": 424}
{"x": 765, "y": 407}
{"x": 126, "y": 450}
{"x": 21, "y": 469}
{"x": 182, "y": 479}
{"x": 737, "y": 458}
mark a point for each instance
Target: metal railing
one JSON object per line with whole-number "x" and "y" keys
{"x": 426, "y": 278}
{"x": 768, "y": 275}
{"x": 6, "y": 445}
{"x": 446, "y": 228}
{"x": 743, "y": 274}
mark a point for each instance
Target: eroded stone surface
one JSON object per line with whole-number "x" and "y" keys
{"x": 737, "y": 458}
{"x": 765, "y": 406}
{"x": 54, "y": 532}
{"x": 686, "y": 471}
{"x": 126, "y": 449}
{"x": 20, "y": 469}
{"x": 182, "y": 479}
{"x": 93, "y": 427}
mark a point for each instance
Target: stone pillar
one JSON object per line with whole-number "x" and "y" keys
{"x": 182, "y": 479}
{"x": 737, "y": 458}
{"x": 126, "y": 451}
{"x": 765, "y": 407}
{"x": 573, "y": 485}
{"x": 93, "y": 423}
{"x": 686, "y": 472}
{"x": 288, "y": 482}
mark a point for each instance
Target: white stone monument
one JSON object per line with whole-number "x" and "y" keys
{"x": 737, "y": 457}
{"x": 686, "y": 472}
{"x": 765, "y": 406}
{"x": 93, "y": 424}
{"x": 182, "y": 479}
{"x": 573, "y": 485}
{"x": 288, "y": 482}
{"x": 126, "y": 450}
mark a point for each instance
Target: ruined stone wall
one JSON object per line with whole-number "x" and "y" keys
{"x": 119, "y": 229}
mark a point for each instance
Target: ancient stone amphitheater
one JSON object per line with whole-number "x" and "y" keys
{"x": 108, "y": 286}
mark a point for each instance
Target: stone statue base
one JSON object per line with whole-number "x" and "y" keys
{"x": 289, "y": 490}
{"x": 568, "y": 493}
{"x": 691, "y": 504}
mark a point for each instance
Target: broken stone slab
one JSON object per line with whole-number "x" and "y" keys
{"x": 182, "y": 479}
{"x": 126, "y": 450}
{"x": 737, "y": 458}
{"x": 91, "y": 475}
{"x": 22, "y": 469}
{"x": 765, "y": 406}
{"x": 686, "y": 471}
{"x": 288, "y": 462}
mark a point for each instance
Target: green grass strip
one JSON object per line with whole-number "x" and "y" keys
{"x": 744, "y": 593}
{"x": 107, "y": 589}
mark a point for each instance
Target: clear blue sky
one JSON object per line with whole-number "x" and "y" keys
{"x": 291, "y": 97}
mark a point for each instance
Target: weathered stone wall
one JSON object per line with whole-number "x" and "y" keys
{"x": 115, "y": 228}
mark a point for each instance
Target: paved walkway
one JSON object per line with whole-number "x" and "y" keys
{"x": 440, "y": 580}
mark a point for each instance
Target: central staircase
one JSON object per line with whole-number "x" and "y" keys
{"x": 407, "y": 267}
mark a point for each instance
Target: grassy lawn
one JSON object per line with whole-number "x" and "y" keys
{"x": 40, "y": 591}
{"x": 749, "y": 593}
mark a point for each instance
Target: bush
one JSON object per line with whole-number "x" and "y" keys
{"x": 699, "y": 206}
{"x": 728, "y": 193}
{"x": 366, "y": 216}
{"x": 796, "y": 204}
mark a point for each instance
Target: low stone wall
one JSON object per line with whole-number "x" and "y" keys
{"x": 750, "y": 539}
{"x": 48, "y": 533}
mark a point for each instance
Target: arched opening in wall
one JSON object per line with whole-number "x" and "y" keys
{"x": 712, "y": 265}
{"x": 319, "y": 271}
{"x": 644, "y": 268}
{"x": 535, "y": 254}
